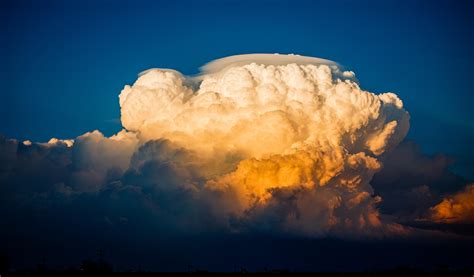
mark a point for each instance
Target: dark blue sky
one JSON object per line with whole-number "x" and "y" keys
{"x": 65, "y": 62}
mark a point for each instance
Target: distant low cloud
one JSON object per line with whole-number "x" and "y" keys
{"x": 411, "y": 182}
{"x": 456, "y": 208}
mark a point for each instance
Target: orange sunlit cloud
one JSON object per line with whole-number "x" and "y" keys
{"x": 457, "y": 208}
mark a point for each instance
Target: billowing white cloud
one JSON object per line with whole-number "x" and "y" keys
{"x": 262, "y": 126}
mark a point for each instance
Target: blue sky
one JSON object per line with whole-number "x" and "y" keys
{"x": 65, "y": 62}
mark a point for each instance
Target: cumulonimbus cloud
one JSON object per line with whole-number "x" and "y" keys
{"x": 282, "y": 125}
{"x": 278, "y": 143}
